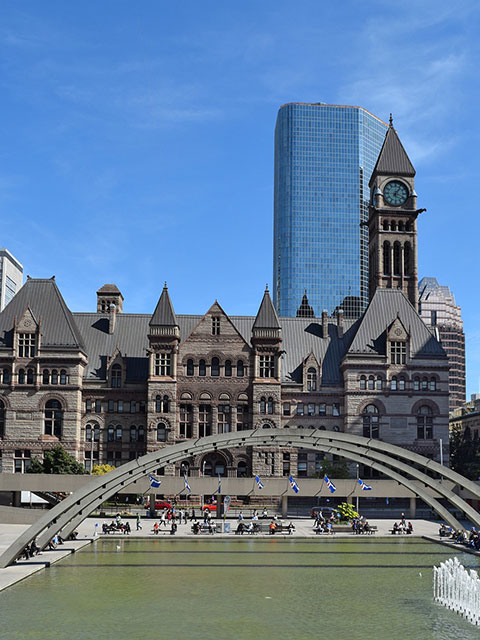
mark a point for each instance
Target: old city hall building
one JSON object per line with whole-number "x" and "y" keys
{"x": 111, "y": 386}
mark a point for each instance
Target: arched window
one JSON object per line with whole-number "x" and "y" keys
{"x": 393, "y": 383}
{"x": 379, "y": 384}
{"x": 215, "y": 370}
{"x": 407, "y": 259}
{"x": 385, "y": 225}
{"x": 397, "y": 258}
{"x": 401, "y": 383}
{"x": 270, "y": 405}
{"x": 189, "y": 367}
{"x": 21, "y": 376}
{"x": 6, "y": 376}
{"x": 228, "y": 368}
{"x": 242, "y": 469}
{"x": 240, "y": 369}
{"x": 111, "y": 434}
{"x": 2, "y": 419}
{"x": 425, "y": 423}
{"x": 401, "y": 226}
{"x": 53, "y": 418}
{"x": 363, "y": 382}
{"x": 45, "y": 376}
{"x": 266, "y": 426}
{"x": 387, "y": 267}
{"x": 408, "y": 226}
{"x": 116, "y": 376}
{"x": 92, "y": 429}
{"x": 370, "y": 422}
{"x": 371, "y": 382}
{"x": 424, "y": 384}
{"x": 161, "y": 432}
{"x": 30, "y": 376}
{"x": 141, "y": 434}
{"x": 416, "y": 384}
{"x": 393, "y": 226}
{"x": 263, "y": 405}
{"x": 118, "y": 433}
{"x": 54, "y": 376}
{"x": 63, "y": 376}
{"x": 311, "y": 379}
{"x": 432, "y": 386}
{"x": 133, "y": 433}
{"x": 202, "y": 368}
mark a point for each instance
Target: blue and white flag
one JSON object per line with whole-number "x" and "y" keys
{"x": 260, "y": 484}
{"x": 154, "y": 483}
{"x": 364, "y": 486}
{"x": 219, "y": 484}
{"x": 330, "y": 485}
{"x": 293, "y": 484}
{"x": 187, "y": 486}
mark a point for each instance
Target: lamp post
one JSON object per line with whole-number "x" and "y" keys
{"x": 356, "y": 486}
{"x": 203, "y": 475}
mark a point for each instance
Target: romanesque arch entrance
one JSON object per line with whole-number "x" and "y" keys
{"x": 409, "y": 469}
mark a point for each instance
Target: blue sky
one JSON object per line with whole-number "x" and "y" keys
{"x": 137, "y": 137}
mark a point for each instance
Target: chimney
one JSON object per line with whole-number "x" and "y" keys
{"x": 324, "y": 324}
{"x": 340, "y": 323}
{"x": 112, "y": 318}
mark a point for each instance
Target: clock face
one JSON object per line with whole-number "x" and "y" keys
{"x": 395, "y": 193}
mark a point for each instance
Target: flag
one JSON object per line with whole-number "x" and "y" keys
{"x": 330, "y": 485}
{"x": 260, "y": 484}
{"x": 293, "y": 484}
{"x": 364, "y": 486}
{"x": 154, "y": 483}
{"x": 187, "y": 486}
{"x": 219, "y": 484}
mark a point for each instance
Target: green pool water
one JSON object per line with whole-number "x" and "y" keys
{"x": 278, "y": 589}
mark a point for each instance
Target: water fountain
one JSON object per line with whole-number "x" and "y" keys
{"x": 457, "y": 589}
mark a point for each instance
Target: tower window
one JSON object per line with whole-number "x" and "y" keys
{"x": 267, "y": 366}
{"x": 163, "y": 364}
{"x": 215, "y": 326}
{"x": 387, "y": 265}
{"x": 370, "y": 422}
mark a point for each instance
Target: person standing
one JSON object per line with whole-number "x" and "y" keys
{"x": 139, "y": 525}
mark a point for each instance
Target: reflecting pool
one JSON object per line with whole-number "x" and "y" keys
{"x": 239, "y": 589}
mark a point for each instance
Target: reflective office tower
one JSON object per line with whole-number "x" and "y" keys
{"x": 324, "y": 157}
{"x": 11, "y": 277}
{"x": 438, "y": 310}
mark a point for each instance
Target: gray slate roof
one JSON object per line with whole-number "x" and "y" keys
{"x": 164, "y": 314}
{"x": 267, "y": 316}
{"x": 58, "y": 328}
{"x": 384, "y": 307}
{"x": 393, "y": 159}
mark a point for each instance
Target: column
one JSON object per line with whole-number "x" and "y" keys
{"x": 284, "y": 506}
{"x": 413, "y": 507}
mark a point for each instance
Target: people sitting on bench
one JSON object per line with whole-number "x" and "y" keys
{"x": 240, "y": 528}
{"x": 272, "y": 527}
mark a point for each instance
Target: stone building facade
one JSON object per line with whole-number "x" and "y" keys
{"x": 111, "y": 386}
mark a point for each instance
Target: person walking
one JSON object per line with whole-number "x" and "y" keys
{"x": 139, "y": 525}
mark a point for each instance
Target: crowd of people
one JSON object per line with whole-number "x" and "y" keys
{"x": 470, "y": 539}
{"x": 361, "y": 525}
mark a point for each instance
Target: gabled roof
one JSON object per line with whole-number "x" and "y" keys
{"x": 385, "y": 306}
{"x": 58, "y": 328}
{"x": 164, "y": 315}
{"x": 305, "y": 310}
{"x": 393, "y": 159}
{"x": 267, "y": 316}
{"x": 109, "y": 289}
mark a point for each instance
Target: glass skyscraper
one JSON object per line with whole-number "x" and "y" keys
{"x": 324, "y": 157}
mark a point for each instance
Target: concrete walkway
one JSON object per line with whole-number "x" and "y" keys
{"x": 86, "y": 533}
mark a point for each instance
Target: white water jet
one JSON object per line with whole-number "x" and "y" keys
{"x": 457, "y": 589}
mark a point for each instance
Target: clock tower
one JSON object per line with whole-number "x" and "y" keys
{"x": 392, "y": 221}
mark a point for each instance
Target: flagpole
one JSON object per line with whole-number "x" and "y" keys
{"x": 358, "y": 477}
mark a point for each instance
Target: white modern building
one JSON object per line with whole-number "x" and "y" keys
{"x": 11, "y": 277}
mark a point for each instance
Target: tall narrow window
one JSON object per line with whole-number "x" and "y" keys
{"x": 407, "y": 259}
{"x": 223, "y": 420}
{"x": 363, "y": 382}
{"x": 263, "y": 405}
{"x": 371, "y": 382}
{"x": 242, "y": 417}
{"x": 186, "y": 414}
{"x": 202, "y": 368}
{"x": 45, "y": 376}
{"x": 228, "y": 368}
{"x": 21, "y": 376}
{"x": 2, "y": 419}
{"x": 311, "y": 379}
{"x": 396, "y": 259}
{"x": 425, "y": 423}
{"x": 53, "y": 419}
{"x": 240, "y": 369}
{"x": 387, "y": 265}
{"x": 116, "y": 376}
{"x": 370, "y": 422}
{"x": 161, "y": 432}
{"x": 63, "y": 376}
{"x": 30, "y": 376}
{"x": 270, "y": 405}
{"x": 6, "y": 376}
{"x": 215, "y": 369}
{"x": 204, "y": 420}
{"x": 133, "y": 433}
{"x": 162, "y": 404}
{"x": 215, "y": 326}
{"x": 267, "y": 366}
{"x": 190, "y": 367}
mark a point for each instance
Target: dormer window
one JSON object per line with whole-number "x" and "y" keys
{"x": 398, "y": 352}
{"x": 116, "y": 376}
{"x": 311, "y": 379}
{"x": 27, "y": 343}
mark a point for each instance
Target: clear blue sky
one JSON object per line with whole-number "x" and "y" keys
{"x": 137, "y": 137}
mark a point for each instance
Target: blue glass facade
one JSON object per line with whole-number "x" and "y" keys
{"x": 324, "y": 157}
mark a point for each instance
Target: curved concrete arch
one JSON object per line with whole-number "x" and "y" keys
{"x": 77, "y": 507}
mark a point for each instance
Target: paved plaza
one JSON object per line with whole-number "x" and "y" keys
{"x": 91, "y": 526}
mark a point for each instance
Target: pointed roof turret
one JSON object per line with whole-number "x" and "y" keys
{"x": 267, "y": 316}
{"x": 164, "y": 315}
{"x": 305, "y": 310}
{"x": 393, "y": 159}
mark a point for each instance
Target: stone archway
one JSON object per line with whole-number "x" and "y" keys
{"x": 377, "y": 454}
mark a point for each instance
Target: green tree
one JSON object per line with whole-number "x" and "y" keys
{"x": 465, "y": 452}
{"x": 56, "y": 460}
{"x": 337, "y": 469}
{"x": 102, "y": 469}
